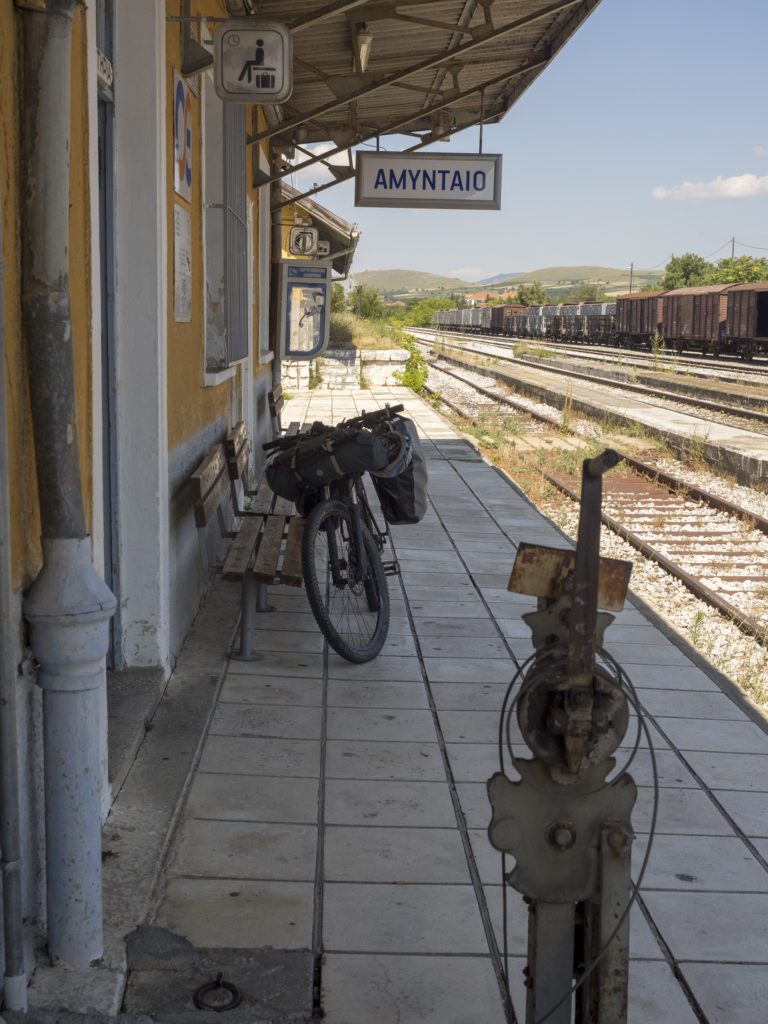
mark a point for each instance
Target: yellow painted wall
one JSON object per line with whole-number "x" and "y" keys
{"x": 23, "y": 488}
{"x": 190, "y": 405}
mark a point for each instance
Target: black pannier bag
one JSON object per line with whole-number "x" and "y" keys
{"x": 403, "y": 497}
{"x": 320, "y": 461}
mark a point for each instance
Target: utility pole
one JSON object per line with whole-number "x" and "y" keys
{"x": 733, "y": 247}
{"x": 360, "y": 301}
{"x": 631, "y": 276}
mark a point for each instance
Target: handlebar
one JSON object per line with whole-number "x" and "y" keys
{"x": 317, "y": 430}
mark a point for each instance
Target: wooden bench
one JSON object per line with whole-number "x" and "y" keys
{"x": 266, "y": 546}
{"x": 276, "y": 402}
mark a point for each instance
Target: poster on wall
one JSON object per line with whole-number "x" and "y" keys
{"x": 182, "y": 265}
{"x": 182, "y": 137}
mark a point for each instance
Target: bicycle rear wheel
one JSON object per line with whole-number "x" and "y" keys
{"x": 351, "y": 609}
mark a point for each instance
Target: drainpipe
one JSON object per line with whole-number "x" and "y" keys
{"x": 68, "y": 606}
{"x": 276, "y": 255}
{"x": 15, "y": 978}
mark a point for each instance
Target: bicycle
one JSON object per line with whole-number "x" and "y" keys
{"x": 342, "y": 567}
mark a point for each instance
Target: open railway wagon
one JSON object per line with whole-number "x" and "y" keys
{"x": 501, "y": 317}
{"x": 747, "y": 319}
{"x": 638, "y": 318}
{"x": 696, "y": 318}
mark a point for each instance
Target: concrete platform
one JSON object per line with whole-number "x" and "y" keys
{"x": 339, "y": 810}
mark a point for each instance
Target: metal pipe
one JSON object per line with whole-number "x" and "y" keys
{"x": 68, "y": 606}
{"x": 15, "y": 978}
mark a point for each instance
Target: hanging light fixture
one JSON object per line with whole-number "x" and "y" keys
{"x": 364, "y": 40}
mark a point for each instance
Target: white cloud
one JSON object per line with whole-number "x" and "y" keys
{"x": 467, "y": 273}
{"x": 741, "y": 186}
{"x": 761, "y": 151}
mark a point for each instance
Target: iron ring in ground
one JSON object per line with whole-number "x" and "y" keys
{"x": 213, "y": 986}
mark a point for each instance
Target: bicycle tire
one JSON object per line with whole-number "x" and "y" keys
{"x": 343, "y": 611}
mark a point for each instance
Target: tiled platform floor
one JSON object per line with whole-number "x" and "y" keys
{"x": 342, "y": 808}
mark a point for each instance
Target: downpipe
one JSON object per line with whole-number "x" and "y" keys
{"x": 68, "y": 606}
{"x": 14, "y": 971}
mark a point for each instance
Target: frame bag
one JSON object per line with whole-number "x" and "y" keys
{"x": 403, "y": 497}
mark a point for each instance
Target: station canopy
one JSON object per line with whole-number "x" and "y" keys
{"x": 373, "y": 68}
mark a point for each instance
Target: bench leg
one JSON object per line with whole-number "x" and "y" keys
{"x": 253, "y": 600}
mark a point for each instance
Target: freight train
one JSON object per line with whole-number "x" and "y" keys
{"x": 710, "y": 319}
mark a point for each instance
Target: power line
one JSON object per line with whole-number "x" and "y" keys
{"x": 746, "y": 245}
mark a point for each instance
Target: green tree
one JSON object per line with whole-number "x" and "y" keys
{"x": 368, "y": 301}
{"x": 739, "y": 270}
{"x": 686, "y": 271}
{"x": 585, "y": 293}
{"x": 532, "y": 294}
{"x": 338, "y": 299}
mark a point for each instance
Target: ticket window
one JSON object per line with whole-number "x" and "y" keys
{"x": 306, "y": 308}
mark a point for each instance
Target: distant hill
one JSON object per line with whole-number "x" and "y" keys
{"x": 574, "y": 275}
{"x": 400, "y": 281}
{"x": 498, "y": 277}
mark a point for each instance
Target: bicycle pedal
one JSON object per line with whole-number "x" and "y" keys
{"x": 391, "y": 568}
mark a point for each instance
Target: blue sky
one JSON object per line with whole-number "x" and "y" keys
{"x": 647, "y": 96}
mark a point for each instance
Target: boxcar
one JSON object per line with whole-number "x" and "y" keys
{"x": 695, "y": 317}
{"x": 485, "y": 319}
{"x": 638, "y": 317}
{"x": 746, "y": 326}
{"x": 497, "y": 319}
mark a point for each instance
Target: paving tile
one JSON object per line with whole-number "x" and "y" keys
{"x": 686, "y": 863}
{"x": 448, "y": 609}
{"x": 240, "y": 756}
{"x": 473, "y": 762}
{"x": 237, "y": 849}
{"x": 384, "y": 854}
{"x": 712, "y": 926}
{"x": 385, "y": 668}
{"x": 252, "y": 798}
{"x": 513, "y": 628}
{"x": 656, "y": 995}
{"x": 470, "y": 696}
{"x": 270, "y": 720}
{"x": 391, "y": 989}
{"x": 441, "y": 627}
{"x": 423, "y": 593}
{"x": 731, "y": 771}
{"x": 381, "y": 724}
{"x": 671, "y": 677}
{"x": 398, "y": 645}
{"x": 302, "y": 621}
{"x": 473, "y": 726}
{"x": 463, "y": 647}
{"x": 303, "y": 666}
{"x": 239, "y": 689}
{"x": 689, "y": 704}
{"x": 403, "y": 803}
{"x": 681, "y": 812}
{"x": 487, "y": 858}
{"x": 749, "y": 810}
{"x": 402, "y": 919}
{"x": 671, "y": 770}
{"x": 220, "y": 913}
{"x": 306, "y": 641}
{"x": 729, "y": 993}
{"x": 469, "y": 670}
{"x": 349, "y": 759}
{"x": 701, "y": 734}
{"x": 355, "y": 693}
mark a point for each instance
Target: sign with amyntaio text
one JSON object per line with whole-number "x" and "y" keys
{"x": 442, "y": 181}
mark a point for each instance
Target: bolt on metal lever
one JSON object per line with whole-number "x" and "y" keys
{"x": 602, "y": 463}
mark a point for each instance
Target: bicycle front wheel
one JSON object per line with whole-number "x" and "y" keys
{"x": 351, "y": 605}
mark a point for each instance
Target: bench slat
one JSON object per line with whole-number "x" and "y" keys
{"x": 291, "y": 573}
{"x": 207, "y": 473}
{"x": 240, "y": 553}
{"x": 238, "y": 465}
{"x": 283, "y": 507}
{"x": 235, "y": 439}
{"x": 293, "y": 428}
{"x": 265, "y": 567}
{"x": 262, "y": 503}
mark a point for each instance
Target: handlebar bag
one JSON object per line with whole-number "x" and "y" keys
{"x": 403, "y": 497}
{"x": 320, "y": 462}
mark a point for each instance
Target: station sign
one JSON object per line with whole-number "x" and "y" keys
{"x": 253, "y": 61}
{"x": 439, "y": 181}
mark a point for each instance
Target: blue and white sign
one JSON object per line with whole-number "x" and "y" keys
{"x": 253, "y": 61}
{"x": 306, "y": 307}
{"x": 441, "y": 181}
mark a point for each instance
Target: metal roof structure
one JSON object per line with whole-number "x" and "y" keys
{"x": 342, "y": 235}
{"x": 370, "y": 68}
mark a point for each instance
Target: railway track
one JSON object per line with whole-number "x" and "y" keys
{"x": 715, "y": 548}
{"x": 722, "y": 367}
{"x": 757, "y": 418}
